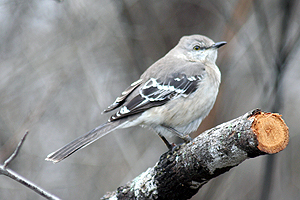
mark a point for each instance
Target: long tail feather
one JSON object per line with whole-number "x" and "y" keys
{"x": 82, "y": 142}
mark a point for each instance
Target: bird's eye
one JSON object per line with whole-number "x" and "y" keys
{"x": 197, "y": 47}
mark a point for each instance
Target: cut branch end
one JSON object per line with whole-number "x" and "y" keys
{"x": 271, "y": 131}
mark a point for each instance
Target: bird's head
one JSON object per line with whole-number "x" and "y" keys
{"x": 198, "y": 48}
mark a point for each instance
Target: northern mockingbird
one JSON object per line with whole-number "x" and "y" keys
{"x": 172, "y": 96}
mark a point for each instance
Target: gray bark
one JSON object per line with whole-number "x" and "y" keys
{"x": 180, "y": 173}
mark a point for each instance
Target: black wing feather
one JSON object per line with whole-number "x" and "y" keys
{"x": 156, "y": 92}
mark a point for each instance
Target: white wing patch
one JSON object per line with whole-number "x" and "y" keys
{"x": 124, "y": 110}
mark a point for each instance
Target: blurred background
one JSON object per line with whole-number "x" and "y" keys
{"x": 63, "y": 63}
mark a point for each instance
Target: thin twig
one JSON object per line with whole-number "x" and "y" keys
{"x": 13, "y": 175}
{"x": 15, "y": 153}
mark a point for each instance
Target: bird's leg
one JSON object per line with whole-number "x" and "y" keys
{"x": 186, "y": 138}
{"x": 170, "y": 146}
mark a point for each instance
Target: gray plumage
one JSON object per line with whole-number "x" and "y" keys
{"x": 172, "y": 96}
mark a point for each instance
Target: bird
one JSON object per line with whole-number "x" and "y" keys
{"x": 172, "y": 96}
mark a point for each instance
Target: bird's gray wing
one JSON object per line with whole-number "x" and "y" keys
{"x": 121, "y": 99}
{"x": 158, "y": 91}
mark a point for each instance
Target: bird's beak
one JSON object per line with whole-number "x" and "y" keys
{"x": 218, "y": 44}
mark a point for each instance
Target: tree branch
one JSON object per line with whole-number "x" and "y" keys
{"x": 11, "y": 174}
{"x": 15, "y": 153}
{"x": 180, "y": 173}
